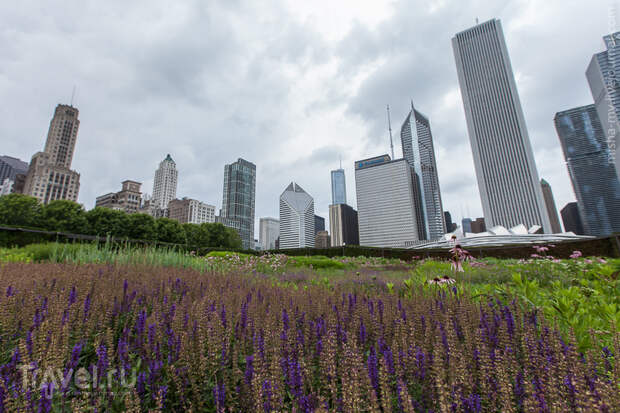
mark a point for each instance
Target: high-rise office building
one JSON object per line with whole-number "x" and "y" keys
{"x": 239, "y": 198}
{"x": 343, "y": 226}
{"x": 49, "y": 175}
{"x": 503, "y": 158}
{"x": 418, "y": 150}
{"x": 603, "y": 75}
{"x": 450, "y": 226}
{"x": 572, "y": 219}
{"x": 466, "y": 225}
{"x": 339, "y": 187}
{"x": 478, "y": 226}
{"x": 191, "y": 211}
{"x": 165, "y": 183}
{"x": 386, "y": 203}
{"x": 10, "y": 167}
{"x": 296, "y": 218}
{"x": 269, "y": 231}
{"x": 319, "y": 224}
{"x": 552, "y": 211}
{"x": 128, "y": 199}
{"x": 593, "y": 177}
{"x": 321, "y": 239}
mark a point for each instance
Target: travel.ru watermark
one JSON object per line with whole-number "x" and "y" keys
{"x": 52, "y": 380}
{"x": 612, "y": 116}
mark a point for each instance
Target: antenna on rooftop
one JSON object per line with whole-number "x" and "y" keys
{"x": 340, "y": 161}
{"x": 73, "y": 95}
{"x": 390, "y": 129}
{"x": 476, "y": 21}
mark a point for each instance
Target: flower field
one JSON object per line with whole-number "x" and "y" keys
{"x": 88, "y": 330}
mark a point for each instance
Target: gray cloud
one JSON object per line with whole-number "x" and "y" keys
{"x": 209, "y": 82}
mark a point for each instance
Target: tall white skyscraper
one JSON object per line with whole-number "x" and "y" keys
{"x": 603, "y": 75}
{"x": 418, "y": 150}
{"x": 269, "y": 231}
{"x": 296, "y": 218}
{"x": 386, "y": 203}
{"x": 165, "y": 184}
{"x": 507, "y": 177}
{"x": 339, "y": 187}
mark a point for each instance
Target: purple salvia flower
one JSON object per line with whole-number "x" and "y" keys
{"x": 362, "y": 333}
{"x": 72, "y": 296}
{"x": 285, "y": 320}
{"x": 249, "y": 369}
{"x": 373, "y": 371}
{"x": 219, "y": 394}
{"x": 29, "y": 342}
{"x": 86, "y": 306}
{"x": 267, "y": 395}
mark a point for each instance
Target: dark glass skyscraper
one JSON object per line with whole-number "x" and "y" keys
{"x": 239, "y": 198}
{"x": 339, "y": 187}
{"x": 593, "y": 176}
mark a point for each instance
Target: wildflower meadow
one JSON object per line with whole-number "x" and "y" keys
{"x": 85, "y": 328}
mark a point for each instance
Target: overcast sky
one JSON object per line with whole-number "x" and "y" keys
{"x": 287, "y": 84}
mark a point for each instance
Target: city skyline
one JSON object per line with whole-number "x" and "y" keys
{"x": 112, "y": 148}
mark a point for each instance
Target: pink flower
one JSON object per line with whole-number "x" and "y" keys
{"x": 587, "y": 261}
{"x": 576, "y": 254}
{"x": 602, "y": 261}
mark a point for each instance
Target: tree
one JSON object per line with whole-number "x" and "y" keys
{"x": 223, "y": 237}
{"x": 20, "y": 210}
{"x": 196, "y": 235}
{"x": 106, "y": 221}
{"x": 64, "y": 216}
{"x": 169, "y": 230}
{"x": 141, "y": 226}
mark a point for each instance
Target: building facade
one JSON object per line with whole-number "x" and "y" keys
{"x": 603, "y": 76}
{"x": 343, "y": 226}
{"x": 49, "y": 175}
{"x": 571, "y": 218}
{"x": 339, "y": 187}
{"x": 164, "y": 184}
{"x": 593, "y": 177}
{"x": 503, "y": 158}
{"x": 450, "y": 226}
{"x": 296, "y": 218}
{"x": 478, "y": 226}
{"x": 386, "y": 203}
{"x": 552, "y": 211}
{"x": 321, "y": 239}
{"x": 128, "y": 199}
{"x": 240, "y": 197}
{"x": 466, "y": 225}
{"x": 191, "y": 211}
{"x": 269, "y": 231}
{"x": 417, "y": 143}
{"x": 319, "y": 224}
{"x": 10, "y": 167}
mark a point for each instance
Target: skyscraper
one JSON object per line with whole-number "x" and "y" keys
{"x": 450, "y": 226}
{"x": 594, "y": 178}
{"x": 49, "y": 175}
{"x": 603, "y": 75}
{"x": 239, "y": 198}
{"x": 10, "y": 167}
{"x": 507, "y": 176}
{"x": 165, "y": 183}
{"x": 552, "y": 211}
{"x": 269, "y": 231}
{"x": 418, "y": 150}
{"x": 572, "y": 219}
{"x": 319, "y": 224}
{"x": 343, "y": 226}
{"x": 339, "y": 187}
{"x": 386, "y": 203}
{"x": 296, "y": 218}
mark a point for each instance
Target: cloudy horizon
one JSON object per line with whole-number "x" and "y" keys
{"x": 289, "y": 86}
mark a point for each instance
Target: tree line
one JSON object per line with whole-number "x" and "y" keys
{"x": 67, "y": 216}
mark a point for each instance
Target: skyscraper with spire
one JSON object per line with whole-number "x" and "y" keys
{"x": 49, "y": 175}
{"x": 418, "y": 150}
{"x": 165, "y": 183}
{"x": 507, "y": 176}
